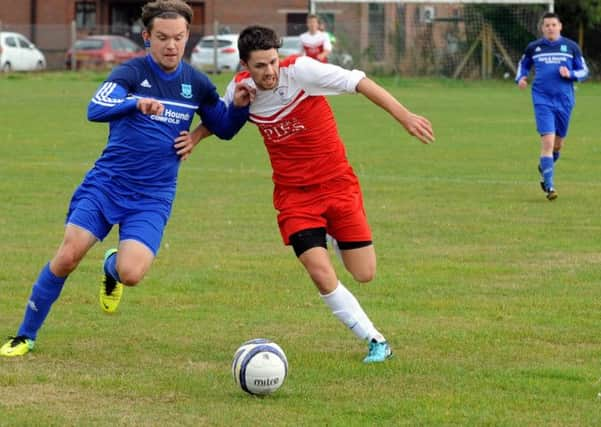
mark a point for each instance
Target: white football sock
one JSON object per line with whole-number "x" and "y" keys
{"x": 347, "y": 309}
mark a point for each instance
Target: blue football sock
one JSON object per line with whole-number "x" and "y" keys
{"x": 43, "y": 294}
{"x": 110, "y": 267}
{"x": 556, "y": 155}
{"x": 546, "y": 164}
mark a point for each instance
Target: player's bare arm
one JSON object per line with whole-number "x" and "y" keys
{"x": 416, "y": 125}
{"x": 150, "y": 106}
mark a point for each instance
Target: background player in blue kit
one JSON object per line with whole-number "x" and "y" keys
{"x": 150, "y": 103}
{"x": 558, "y": 62}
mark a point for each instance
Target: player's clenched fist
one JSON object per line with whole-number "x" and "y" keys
{"x": 244, "y": 94}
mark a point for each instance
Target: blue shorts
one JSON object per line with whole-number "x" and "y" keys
{"x": 552, "y": 119}
{"x": 96, "y": 208}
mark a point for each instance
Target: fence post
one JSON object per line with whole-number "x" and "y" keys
{"x": 73, "y": 37}
{"x": 215, "y": 41}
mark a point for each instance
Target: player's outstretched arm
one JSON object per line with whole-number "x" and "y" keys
{"x": 417, "y": 126}
{"x": 225, "y": 118}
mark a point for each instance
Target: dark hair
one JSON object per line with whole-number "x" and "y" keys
{"x": 257, "y": 38}
{"x": 166, "y": 9}
{"x": 550, "y": 15}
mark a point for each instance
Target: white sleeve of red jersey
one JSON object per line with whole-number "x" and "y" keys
{"x": 317, "y": 78}
{"x": 228, "y": 97}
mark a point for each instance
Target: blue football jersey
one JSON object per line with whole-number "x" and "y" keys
{"x": 547, "y": 56}
{"x": 139, "y": 156}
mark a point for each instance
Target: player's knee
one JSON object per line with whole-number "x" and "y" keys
{"x": 360, "y": 260}
{"x": 66, "y": 260}
{"x": 131, "y": 276}
{"x": 365, "y": 274}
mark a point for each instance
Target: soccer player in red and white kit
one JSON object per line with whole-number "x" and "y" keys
{"x": 316, "y": 191}
{"x": 314, "y": 43}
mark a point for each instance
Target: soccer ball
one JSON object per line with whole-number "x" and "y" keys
{"x": 260, "y": 366}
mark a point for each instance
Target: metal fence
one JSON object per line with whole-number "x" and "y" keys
{"x": 456, "y": 42}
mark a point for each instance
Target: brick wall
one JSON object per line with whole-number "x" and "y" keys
{"x": 9, "y": 14}
{"x": 237, "y": 15}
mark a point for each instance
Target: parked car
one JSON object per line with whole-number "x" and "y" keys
{"x": 102, "y": 51}
{"x": 202, "y": 56}
{"x": 17, "y": 53}
{"x": 291, "y": 46}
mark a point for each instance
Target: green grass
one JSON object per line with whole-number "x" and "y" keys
{"x": 489, "y": 294}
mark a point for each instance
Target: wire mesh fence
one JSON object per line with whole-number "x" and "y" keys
{"x": 411, "y": 39}
{"x": 451, "y": 40}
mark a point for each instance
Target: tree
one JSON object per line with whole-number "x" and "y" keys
{"x": 578, "y": 15}
{"x": 583, "y": 12}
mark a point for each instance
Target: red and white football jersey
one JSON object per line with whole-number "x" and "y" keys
{"x": 314, "y": 44}
{"x": 296, "y": 121}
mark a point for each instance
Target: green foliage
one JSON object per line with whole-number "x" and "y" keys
{"x": 586, "y": 11}
{"x": 489, "y": 294}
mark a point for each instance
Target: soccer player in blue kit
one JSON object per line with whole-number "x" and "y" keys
{"x": 149, "y": 103}
{"x": 558, "y": 62}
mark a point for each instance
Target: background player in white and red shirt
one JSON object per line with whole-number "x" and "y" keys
{"x": 316, "y": 191}
{"x": 314, "y": 43}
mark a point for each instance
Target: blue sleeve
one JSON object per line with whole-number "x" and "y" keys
{"x": 223, "y": 120}
{"x": 524, "y": 65}
{"x": 110, "y": 102}
{"x": 579, "y": 68}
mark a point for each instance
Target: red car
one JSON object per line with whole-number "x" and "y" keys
{"x": 102, "y": 51}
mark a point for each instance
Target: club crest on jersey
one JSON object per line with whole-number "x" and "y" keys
{"x": 282, "y": 92}
{"x": 563, "y": 48}
{"x": 186, "y": 91}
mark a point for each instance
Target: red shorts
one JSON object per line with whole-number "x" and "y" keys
{"x": 336, "y": 205}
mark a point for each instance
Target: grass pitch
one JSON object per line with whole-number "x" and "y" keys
{"x": 489, "y": 294}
